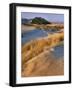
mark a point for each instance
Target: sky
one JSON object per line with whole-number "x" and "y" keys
{"x": 48, "y": 16}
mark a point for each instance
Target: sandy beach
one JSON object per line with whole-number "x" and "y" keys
{"x": 43, "y": 65}
{"x": 42, "y": 44}
{"x": 37, "y": 57}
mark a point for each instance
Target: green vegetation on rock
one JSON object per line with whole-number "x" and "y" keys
{"x": 39, "y": 20}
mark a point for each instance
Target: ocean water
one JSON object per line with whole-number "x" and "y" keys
{"x": 33, "y": 34}
{"x": 58, "y": 51}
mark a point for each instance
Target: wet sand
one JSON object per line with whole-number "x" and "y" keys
{"x": 27, "y": 28}
{"x": 45, "y": 64}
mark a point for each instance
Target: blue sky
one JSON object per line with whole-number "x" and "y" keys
{"x": 49, "y": 16}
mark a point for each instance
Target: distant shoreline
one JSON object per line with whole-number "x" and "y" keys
{"x": 29, "y": 27}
